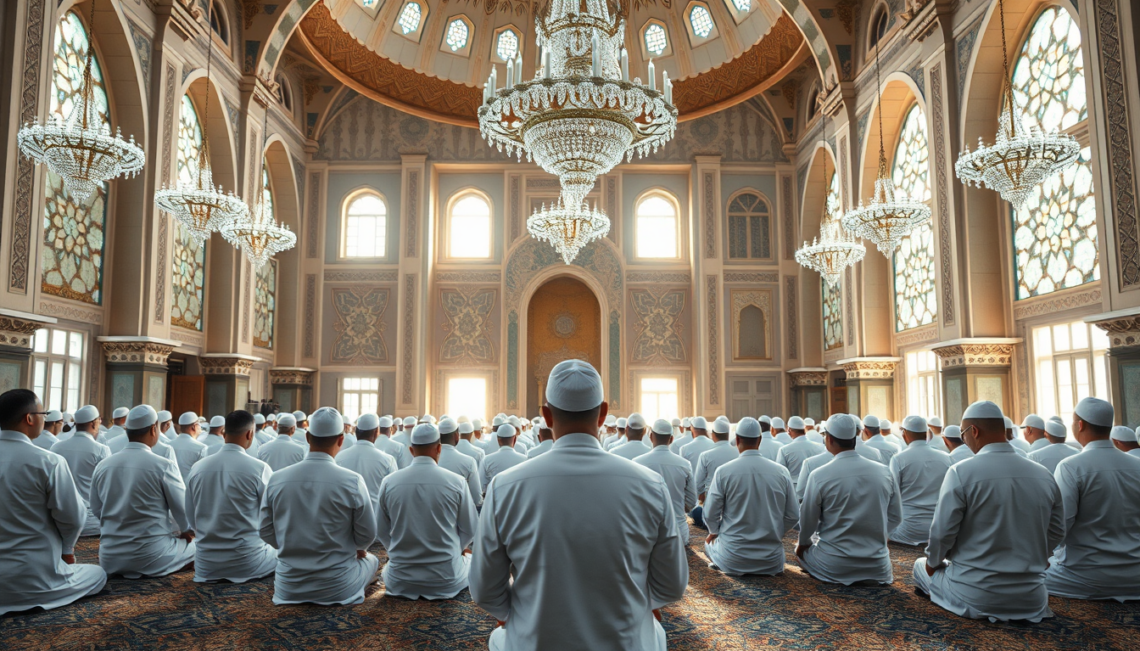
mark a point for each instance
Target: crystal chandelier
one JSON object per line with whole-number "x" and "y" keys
{"x": 891, "y": 215}
{"x": 80, "y": 149}
{"x": 1020, "y": 158}
{"x": 579, "y": 116}
{"x": 834, "y": 250}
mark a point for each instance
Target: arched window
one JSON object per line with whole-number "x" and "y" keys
{"x": 409, "y": 19}
{"x": 457, "y": 33}
{"x": 656, "y": 226}
{"x": 72, "y": 259}
{"x": 188, "y": 278}
{"x": 832, "y": 297}
{"x": 265, "y": 278}
{"x": 656, "y": 41}
{"x": 749, "y": 235}
{"x": 507, "y": 45}
{"x": 742, "y": 6}
{"x": 469, "y": 226}
{"x": 701, "y": 20}
{"x": 916, "y": 300}
{"x": 878, "y": 24}
{"x": 1055, "y": 233}
{"x": 218, "y": 22}
{"x": 751, "y": 333}
{"x": 365, "y": 226}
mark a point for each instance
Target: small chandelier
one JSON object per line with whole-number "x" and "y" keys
{"x": 1020, "y": 158}
{"x": 834, "y": 250}
{"x": 80, "y": 149}
{"x": 567, "y": 228}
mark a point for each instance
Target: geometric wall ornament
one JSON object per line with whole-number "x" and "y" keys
{"x": 360, "y": 331}
{"x": 226, "y": 364}
{"x": 992, "y": 352}
{"x": 870, "y": 368}
{"x": 467, "y": 340}
{"x": 291, "y": 376}
{"x": 658, "y": 331}
{"x": 137, "y": 350}
{"x": 17, "y": 333}
{"x": 808, "y": 377}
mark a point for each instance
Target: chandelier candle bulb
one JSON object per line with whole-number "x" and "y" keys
{"x": 494, "y": 79}
{"x": 667, "y": 87}
{"x": 624, "y": 65}
{"x": 652, "y": 76}
{"x": 545, "y": 63}
{"x": 509, "y": 82}
{"x": 595, "y": 56}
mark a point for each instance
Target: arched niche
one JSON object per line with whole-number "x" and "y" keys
{"x": 564, "y": 320}
{"x": 287, "y": 210}
{"x": 822, "y": 167}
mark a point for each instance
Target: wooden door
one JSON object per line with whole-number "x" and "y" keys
{"x": 187, "y": 393}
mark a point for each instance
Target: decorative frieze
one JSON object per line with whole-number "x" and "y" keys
{"x": 679, "y": 277}
{"x": 1123, "y": 327}
{"x": 16, "y": 331}
{"x": 960, "y": 353}
{"x": 291, "y": 376}
{"x": 226, "y": 364}
{"x": 1051, "y": 304}
{"x": 917, "y": 335}
{"x": 759, "y": 277}
{"x": 808, "y": 377}
{"x": 870, "y": 368}
{"x": 379, "y": 276}
{"x": 137, "y": 350}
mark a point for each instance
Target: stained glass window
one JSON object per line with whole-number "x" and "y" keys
{"x": 742, "y": 5}
{"x": 916, "y": 299}
{"x": 265, "y": 304}
{"x": 832, "y": 297}
{"x": 508, "y": 45}
{"x": 188, "y": 277}
{"x": 457, "y": 33}
{"x": 748, "y": 227}
{"x": 701, "y": 20}
{"x": 1055, "y": 234}
{"x": 72, "y": 255}
{"x": 409, "y": 20}
{"x": 655, "y": 39}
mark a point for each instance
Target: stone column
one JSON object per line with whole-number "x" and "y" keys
{"x": 871, "y": 385}
{"x": 975, "y": 369}
{"x": 708, "y": 293}
{"x": 1123, "y": 328}
{"x": 16, "y": 330}
{"x": 227, "y": 381}
{"x": 136, "y": 371}
{"x": 809, "y": 392}
{"x": 292, "y": 387}
{"x": 415, "y": 265}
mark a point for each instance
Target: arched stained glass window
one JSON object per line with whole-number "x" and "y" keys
{"x": 655, "y": 39}
{"x": 409, "y": 20}
{"x": 265, "y": 279}
{"x": 457, "y": 33}
{"x": 72, "y": 255}
{"x": 188, "y": 277}
{"x": 749, "y": 233}
{"x": 507, "y": 46}
{"x": 916, "y": 299}
{"x": 832, "y": 297}
{"x": 1054, "y": 232}
{"x": 701, "y": 20}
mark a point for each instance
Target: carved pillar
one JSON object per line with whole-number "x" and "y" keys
{"x": 136, "y": 371}
{"x": 871, "y": 385}
{"x": 707, "y": 254}
{"x": 416, "y": 252}
{"x": 292, "y": 387}
{"x": 227, "y": 381}
{"x": 809, "y": 392}
{"x": 1123, "y": 328}
{"x": 975, "y": 369}
{"x": 16, "y": 330}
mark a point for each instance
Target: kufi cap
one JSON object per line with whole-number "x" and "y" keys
{"x": 611, "y": 420}
{"x": 368, "y": 422}
{"x": 286, "y": 420}
{"x": 141, "y": 417}
{"x": 188, "y": 418}
{"x": 514, "y": 422}
{"x": 622, "y": 422}
{"x": 982, "y": 409}
{"x": 120, "y": 412}
{"x": 720, "y": 426}
{"x": 325, "y": 422}
{"x": 258, "y": 419}
{"x": 300, "y": 416}
{"x": 822, "y": 426}
{"x": 765, "y": 419}
{"x": 795, "y": 422}
{"x": 662, "y": 427}
{"x": 777, "y": 423}
{"x": 685, "y": 422}
{"x": 699, "y": 422}
{"x": 1122, "y": 433}
{"x": 915, "y": 424}
{"x": 498, "y": 420}
{"x": 1008, "y": 422}
{"x": 428, "y": 418}
{"x": 1057, "y": 418}
{"x": 870, "y": 421}
{"x": 809, "y": 422}
{"x": 202, "y": 420}
{"x": 574, "y": 386}
{"x": 384, "y": 421}
{"x": 1055, "y": 429}
{"x": 465, "y": 427}
{"x": 477, "y": 424}
{"x": 952, "y": 431}
{"x": 749, "y": 428}
{"x": 68, "y": 417}
{"x": 53, "y": 416}
{"x": 506, "y": 431}
{"x": 217, "y": 421}
{"x": 448, "y": 426}
{"x": 885, "y": 425}
{"x": 271, "y": 417}
{"x": 934, "y": 421}
{"x": 409, "y": 421}
{"x": 425, "y": 434}
{"x": 1095, "y": 411}
{"x": 1034, "y": 421}
{"x": 842, "y": 426}
{"x": 636, "y": 421}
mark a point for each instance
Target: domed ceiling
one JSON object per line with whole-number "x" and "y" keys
{"x": 430, "y": 57}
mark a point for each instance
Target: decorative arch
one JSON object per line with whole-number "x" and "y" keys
{"x": 449, "y": 207}
{"x": 812, "y": 204}
{"x": 739, "y": 212}
{"x": 287, "y": 210}
{"x": 218, "y": 130}
{"x": 346, "y": 203}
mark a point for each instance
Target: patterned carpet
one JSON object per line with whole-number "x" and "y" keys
{"x": 791, "y": 611}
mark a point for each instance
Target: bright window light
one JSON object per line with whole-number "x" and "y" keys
{"x": 659, "y": 398}
{"x": 701, "y": 20}
{"x": 656, "y": 228}
{"x": 655, "y": 39}
{"x": 457, "y": 35}
{"x": 409, "y": 20}
{"x": 469, "y": 233}
{"x": 467, "y": 396}
{"x": 359, "y": 395}
{"x": 508, "y": 45}
{"x": 742, "y": 5}
{"x": 366, "y": 227}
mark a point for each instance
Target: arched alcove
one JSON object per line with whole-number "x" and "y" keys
{"x": 564, "y": 321}
{"x": 820, "y": 171}
{"x": 287, "y": 210}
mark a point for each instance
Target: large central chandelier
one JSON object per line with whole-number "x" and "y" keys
{"x": 579, "y": 116}
{"x": 834, "y": 250}
{"x": 1020, "y": 158}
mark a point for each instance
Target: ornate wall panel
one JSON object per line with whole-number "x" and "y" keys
{"x": 714, "y": 344}
{"x": 381, "y": 276}
{"x": 659, "y": 329}
{"x": 515, "y": 192}
{"x": 314, "y": 216}
{"x": 25, "y": 169}
{"x": 790, "y": 297}
{"x": 468, "y": 276}
{"x": 412, "y": 212}
{"x": 265, "y": 304}
{"x": 752, "y": 277}
{"x": 849, "y": 308}
{"x": 942, "y": 185}
{"x": 310, "y": 319}
{"x": 532, "y": 256}
{"x": 741, "y": 299}
{"x": 164, "y": 219}
{"x": 789, "y": 220}
{"x": 468, "y": 317}
{"x": 708, "y": 193}
{"x": 676, "y": 277}
{"x": 359, "y": 325}
{"x": 409, "y": 314}
{"x": 1067, "y": 301}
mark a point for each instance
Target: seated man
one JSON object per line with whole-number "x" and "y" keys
{"x": 700, "y": 444}
{"x": 135, "y": 493}
{"x": 41, "y": 516}
{"x": 999, "y": 515}
{"x": 873, "y": 437}
{"x": 849, "y": 506}
{"x": 750, "y": 505}
{"x": 365, "y": 459}
{"x": 716, "y": 456}
{"x": 390, "y": 446}
{"x": 792, "y": 455}
{"x": 223, "y": 505}
{"x": 959, "y": 451}
{"x": 676, "y": 472}
{"x": 1100, "y": 489}
{"x": 1124, "y": 439}
{"x": 504, "y": 458}
{"x": 1054, "y": 451}
{"x": 918, "y": 470}
{"x": 426, "y": 519}
{"x": 284, "y": 451}
{"x": 457, "y": 462}
{"x": 83, "y": 454}
{"x": 187, "y": 448}
{"x": 545, "y": 440}
{"x": 634, "y": 446}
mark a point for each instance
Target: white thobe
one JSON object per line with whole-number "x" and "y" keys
{"x": 1020, "y": 444}
{"x": 961, "y": 453}
{"x": 163, "y": 449}
{"x": 719, "y": 454}
{"x": 114, "y": 432}
{"x": 750, "y": 505}
{"x": 919, "y": 471}
{"x": 1135, "y": 453}
{"x": 793, "y": 455}
{"x": 223, "y": 506}
{"x": 168, "y": 434}
{"x": 592, "y": 543}
{"x": 135, "y": 493}
{"x": 41, "y": 516}
{"x": 620, "y": 439}
{"x": 884, "y": 446}
{"x": 394, "y": 449}
{"x": 282, "y": 453}
{"x": 83, "y": 453}
{"x": 349, "y": 441}
{"x": 1100, "y": 555}
{"x": 852, "y": 504}
{"x": 264, "y": 436}
{"x": 317, "y": 515}
{"x": 631, "y": 450}
{"x": 678, "y": 476}
{"x": 693, "y": 450}
{"x": 465, "y": 446}
{"x": 810, "y": 465}
{"x": 868, "y": 452}
{"x": 370, "y": 463}
{"x": 936, "y": 442}
{"x": 770, "y": 447}
{"x": 45, "y": 440}
{"x": 404, "y": 437}
{"x": 118, "y": 443}
{"x": 495, "y": 462}
{"x": 541, "y": 448}
{"x": 188, "y": 451}
{"x": 425, "y": 520}
{"x": 1052, "y": 454}
{"x": 609, "y": 439}
{"x": 680, "y": 442}
{"x": 814, "y": 437}
{"x": 998, "y": 519}
{"x": 1038, "y": 444}
{"x": 464, "y": 466}
{"x": 298, "y": 437}
{"x": 783, "y": 437}
{"x": 213, "y": 442}
{"x": 896, "y": 439}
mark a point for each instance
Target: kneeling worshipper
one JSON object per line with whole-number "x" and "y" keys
{"x": 1124, "y": 439}
{"x": 750, "y": 505}
{"x": 849, "y": 506}
{"x": 676, "y": 472}
{"x": 135, "y": 494}
{"x": 1054, "y": 451}
{"x": 918, "y": 470}
{"x": 284, "y": 451}
{"x": 810, "y": 464}
{"x": 457, "y": 462}
{"x": 53, "y": 425}
{"x": 792, "y": 455}
{"x": 634, "y": 446}
{"x": 873, "y": 437}
{"x": 188, "y": 450}
{"x": 392, "y": 447}
{"x": 320, "y": 519}
{"x": 590, "y": 539}
{"x": 426, "y": 519}
{"x": 83, "y": 454}
{"x": 504, "y": 458}
{"x": 1100, "y": 488}
{"x": 545, "y": 439}
{"x": 999, "y": 517}
{"x": 959, "y": 451}
{"x": 41, "y": 516}
{"x": 223, "y": 506}
{"x": 716, "y": 456}
{"x": 365, "y": 459}
{"x": 700, "y": 444}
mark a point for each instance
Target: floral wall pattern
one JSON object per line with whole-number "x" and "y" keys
{"x": 188, "y": 277}
{"x": 359, "y": 328}
{"x": 467, "y": 337}
{"x": 657, "y": 326}
{"x": 264, "y": 304}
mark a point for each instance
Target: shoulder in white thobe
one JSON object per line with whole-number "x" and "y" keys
{"x": 793, "y": 455}
{"x": 41, "y": 517}
{"x": 282, "y": 453}
{"x": 680, "y": 442}
{"x": 114, "y": 432}
{"x": 188, "y": 451}
{"x": 134, "y": 494}
{"x": 678, "y": 476}
{"x": 631, "y": 450}
{"x": 464, "y": 466}
{"x": 366, "y": 460}
{"x": 719, "y": 454}
{"x": 592, "y": 544}
{"x": 1052, "y": 454}
{"x": 868, "y": 452}
{"x": 117, "y": 443}
{"x": 45, "y": 440}
{"x": 814, "y": 437}
{"x": 213, "y": 443}
{"x": 404, "y": 438}
{"x": 1135, "y": 453}
{"x": 1038, "y": 444}
{"x": 264, "y": 436}
{"x": 851, "y": 503}
{"x": 541, "y": 448}
{"x": 770, "y": 447}
{"x": 1100, "y": 555}
{"x": 750, "y": 505}
{"x": 999, "y": 517}
{"x": 896, "y": 439}
{"x": 810, "y": 465}
{"x": 961, "y": 453}
{"x": 425, "y": 520}
{"x": 168, "y": 434}
{"x": 465, "y": 446}
{"x": 1020, "y": 444}
{"x": 693, "y": 450}
{"x": 163, "y": 449}
{"x": 83, "y": 453}
{"x": 620, "y": 439}
{"x": 395, "y": 449}
{"x": 919, "y": 471}
{"x": 783, "y": 437}
{"x": 317, "y": 515}
{"x": 936, "y": 442}
{"x": 496, "y": 462}
{"x": 223, "y": 506}
{"x": 884, "y": 446}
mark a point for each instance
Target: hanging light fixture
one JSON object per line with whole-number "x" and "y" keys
{"x": 568, "y": 228}
{"x": 891, "y": 215}
{"x": 80, "y": 149}
{"x": 201, "y": 207}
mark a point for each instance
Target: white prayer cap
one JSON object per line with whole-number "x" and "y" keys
{"x": 465, "y": 427}
{"x": 842, "y": 426}
{"x": 952, "y": 431}
{"x": 1122, "y": 433}
{"x": 1057, "y": 418}
{"x": 676, "y": 422}
{"x": 428, "y": 418}
{"x": 1055, "y": 429}
{"x": 1034, "y": 421}
{"x": 1095, "y": 411}
{"x": 202, "y": 420}
{"x": 777, "y": 423}
{"x": 765, "y": 419}
{"x": 749, "y": 428}
{"x": 795, "y": 422}
{"x": 662, "y": 427}
{"x": 622, "y": 422}
{"x": 141, "y": 417}
{"x": 870, "y": 421}
{"x": 384, "y": 421}
{"x": 286, "y": 420}
{"x": 720, "y": 426}
{"x": 983, "y": 409}
{"x": 258, "y": 419}
{"x": 914, "y": 424}
{"x": 120, "y": 412}
{"x": 822, "y": 426}
{"x": 326, "y": 421}
{"x": 934, "y": 421}
{"x": 685, "y": 422}
{"x": 505, "y": 431}
{"x": 514, "y": 422}
{"x": 498, "y": 420}
{"x": 271, "y": 417}
{"x": 477, "y": 424}
{"x": 300, "y": 416}
{"x": 611, "y": 420}
{"x": 53, "y": 416}
{"x": 68, "y": 417}
{"x": 574, "y": 386}
{"x": 448, "y": 426}
{"x": 636, "y": 421}
{"x": 188, "y": 418}
{"x": 885, "y": 425}
{"x": 425, "y": 434}
{"x": 368, "y": 422}
{"x": 409, "y": 421}
{"x": 217, "y": 421}
{"x": 699, "y": 422}
{"x": 1008, "y": 422}
{"x": 809, "y": 422}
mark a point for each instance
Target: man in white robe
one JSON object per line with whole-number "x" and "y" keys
{"x": 545, "y": 440}
{"x": 1100, "y": 488}
{"x": 589, "y": 538}
{"x": 365, "y": 459}
{"x": 681, "y": 435}
{"x": 404, "y": 435}
{"x": 999, "y": 517}
{"x": 887, "y": 430}
{"x": 83, "y": 454}
{"x": 934, "y": 435}
{"x": 53, "y": 426}
{"x": 778, "y": 431}
{"x": 284, "y": 451}
{"x": 811, "y": 431}
{"x": 959, "y": 451}
{"x": 750, "y": 505}
{"x": 676, "y": 472}
{"x": 319, "y": 518}
{"x": 1124, "y": 439}
{"x": 466, "y": 444}
{"x": 390, "y": 446}
{"x": 635, "y": 445}
{"x": 769, "y": 446}
{"x": 1011, "y": 435}
{"x": 919, "y": 471}
{"x": 716, "y": 456}
{"x": 793, "y": 455}
{"x": 187, "y": 448}
{"x": 135, "y": 494}
{"x": 849, "y": 506}
{"x": 118, "y": 418}
{"x": 452, "y": 459}
{"x": 700, "y": 444}
{"x": 216, "y": 438}
{"x": 1054, "y": 451}
{"x": 262, "y": 434}
{"x": 809, "y": 466}
{"x": 873, "y": 437}
{"x": 1033, "y": 427}
{"x": 166, "y": 427}
{"x": 504, "y": 458}
{"x": 223, "y": 506}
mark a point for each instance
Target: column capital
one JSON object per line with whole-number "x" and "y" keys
{"x": 870, "y": 368}
{"x": 291, "y": 376}
{"x": 227, "y": 364}
{"x": 978, "y": 351}
{"x": 137, "y": 350}
{"x": 1122, "y": 326}
{"x": 808, "y": 377}
{"x": 17, "y": 328}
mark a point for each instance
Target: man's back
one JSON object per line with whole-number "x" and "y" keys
{"x": 750, "y": 506}
{"x": 678, "y": 476}
{"x": 919, "y": 471}
{"x": 496, "y": 462}
{"x": 82, "y": 454}
{"x": 792, "y": 455}
{"x": 370, "y": 463}
{"x": 282, "y": 453}
{"x": 719, "y": 454}
{"x": 693, "y": 450}
{"x": 395, "y": 449}
{"x": 465, "y": 446}
{"x": 810, "y": 465}
{"x": 770, "y": 447}
{"x": 464, "y": 466}
{"x": 1051, "y": 455}
{"x": 542, "y": 448}
{"x": 188, "y": 451}
{"x": 631, "y": 450}
{"x": 885, "y": 447}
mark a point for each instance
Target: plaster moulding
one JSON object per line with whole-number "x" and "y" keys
{"x": 1122, "y": 326}
{"x": 958, "y": 353}
{"x": 870, "y": 368}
